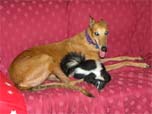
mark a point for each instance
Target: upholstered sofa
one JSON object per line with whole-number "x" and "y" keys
{"x": 27, "y": 23}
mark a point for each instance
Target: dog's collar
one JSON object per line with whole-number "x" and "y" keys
{"x": 90, "y": 41}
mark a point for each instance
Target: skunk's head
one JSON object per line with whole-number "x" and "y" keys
{"x": 99, "y": 84}
{"x": 101, "y": 76}
{"x": 106, "y": 76}
{"x": 90, "y": 70}
{"x": 98, "y": 76}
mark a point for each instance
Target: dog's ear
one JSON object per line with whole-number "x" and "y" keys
{"x": 92, "y": 22}
{"x": 103, "y": 21}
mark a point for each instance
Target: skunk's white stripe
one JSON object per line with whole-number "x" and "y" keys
{"x": 72, "y": 63}
{"x": 96, "y": 71}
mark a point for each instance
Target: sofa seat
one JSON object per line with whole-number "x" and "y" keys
{"x": 28, "y": 23}
{"x": 129, "y": 92}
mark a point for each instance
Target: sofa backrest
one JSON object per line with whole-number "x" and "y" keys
{"x": 25, "y": 23}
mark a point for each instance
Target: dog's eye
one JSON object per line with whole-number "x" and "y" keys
{"x": 106, "y": 33}
{"x": 96, "y": 33}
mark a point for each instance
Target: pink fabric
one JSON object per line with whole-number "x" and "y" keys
{"x": 25, "y": 23}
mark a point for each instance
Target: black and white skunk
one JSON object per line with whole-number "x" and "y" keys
{"x": 94, "y": 72}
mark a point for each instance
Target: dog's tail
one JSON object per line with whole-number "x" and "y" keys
{"x": 71, "y": 61}
{"x": 62, "y": 85}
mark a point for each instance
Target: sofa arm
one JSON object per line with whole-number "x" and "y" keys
{"x": 11, "y": 99}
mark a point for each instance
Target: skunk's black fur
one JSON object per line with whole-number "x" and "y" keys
{"x": 71, "y": 61}
{"x": 90, "y": 70}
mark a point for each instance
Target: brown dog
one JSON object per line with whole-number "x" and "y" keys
{"x": 35, "y": 65}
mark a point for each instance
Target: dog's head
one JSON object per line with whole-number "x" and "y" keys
{"x": 98, "y": 32}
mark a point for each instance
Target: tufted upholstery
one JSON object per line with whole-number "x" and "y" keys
{"x": 25, "y": 23}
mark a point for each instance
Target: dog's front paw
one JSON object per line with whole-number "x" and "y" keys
{"x": 145, "y": 65}
{"x": 139, "y": 58}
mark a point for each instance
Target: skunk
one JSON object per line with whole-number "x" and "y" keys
{"x": 75, "y": 64}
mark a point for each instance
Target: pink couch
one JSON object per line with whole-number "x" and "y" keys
{"x": 26, "y": 23}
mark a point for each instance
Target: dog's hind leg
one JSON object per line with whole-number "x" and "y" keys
{"x": 62, "y": 85}
{"x": 59, "y": 74}
{"x": 63, "y": 78}
{"x": 126, "y": 63}
{"x": 33, "y": 71}
{"x": 53, "y": 77}
{"x": 122, "y": 58}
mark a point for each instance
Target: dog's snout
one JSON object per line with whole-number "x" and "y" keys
{"x": 104, "y": 48}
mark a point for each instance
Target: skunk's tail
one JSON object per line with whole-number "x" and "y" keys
{"x": 71, "y": 61}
